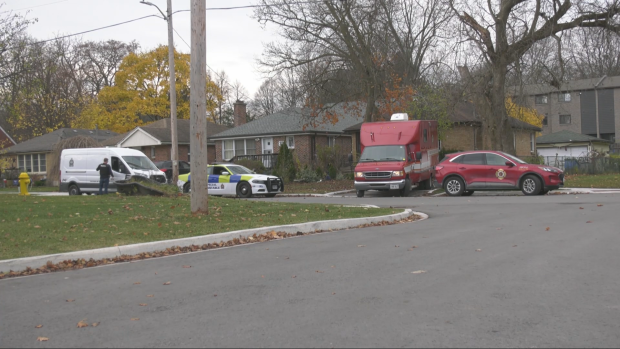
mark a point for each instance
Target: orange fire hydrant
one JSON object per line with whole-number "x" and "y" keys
{"x": 24, "y": 180}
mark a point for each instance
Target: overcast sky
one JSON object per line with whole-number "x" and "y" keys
{"x": 234, "y": 40}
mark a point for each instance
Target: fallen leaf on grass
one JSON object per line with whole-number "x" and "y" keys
{"x": 167, "y": 283}
{"x": 70, "y": 300}
{"x": 318, "y": 271}
{"x": 37, "y": 226}
{"x": 514, "y": 245}
{"x": 581, "y": 208}
{"x": 150, "y": 295}
{"x": 294, "y": 276}
{"x": 135, "y": 318}
{"x": 42, "y": 339}
{"x": 38, "y": 326}
{"x": 95, "y": 324}
{"x": 418, "y": 272}
{"x": 361, "y": 245}
{"x": 82, "y": 324}
{"x": 589, "y": 222}
{"x": 142, "y": 304}
{"x": 187, "y": 266}
{"x": 478, "y": 250}
{"x": 547, "y": 229}
{"x": 333, "y": 293}
{"x": 599, "y": 205}
{"x": 137, "y": 283}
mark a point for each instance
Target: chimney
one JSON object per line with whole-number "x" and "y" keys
{"x": 240, "y": 113}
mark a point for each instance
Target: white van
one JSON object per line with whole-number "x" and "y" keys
{"x": 78, "y": 168}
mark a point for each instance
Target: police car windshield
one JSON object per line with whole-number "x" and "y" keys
{"x": 383, "y": 153}
{"x": 140, "y": 163}
{"x": 513, "y": 158}
{"x": 239, "y": 170}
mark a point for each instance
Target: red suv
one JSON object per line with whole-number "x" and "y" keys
{"x": 465, "y": 172}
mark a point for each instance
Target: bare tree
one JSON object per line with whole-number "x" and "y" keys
{"x": 266, "y": 99}
{"x": 502, "y": 32}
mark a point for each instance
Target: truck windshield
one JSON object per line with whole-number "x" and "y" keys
{"x": 140, "y": 163}
{"x": 383, "y": 153}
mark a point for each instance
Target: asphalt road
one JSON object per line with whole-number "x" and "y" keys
{"x": 499, "y": 271}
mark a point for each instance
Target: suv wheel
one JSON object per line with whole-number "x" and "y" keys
{"x": 454, "y": 186}
{"x": 531, "y": 185}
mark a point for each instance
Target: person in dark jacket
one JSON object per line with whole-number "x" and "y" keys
{"x": 105, "y": 171}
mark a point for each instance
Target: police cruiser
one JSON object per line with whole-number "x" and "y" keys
{"x": 232, "y": 179}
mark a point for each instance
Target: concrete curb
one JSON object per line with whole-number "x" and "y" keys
{"x": 19, "y": 264}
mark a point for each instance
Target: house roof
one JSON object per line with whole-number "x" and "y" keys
{"x": 45, "y": 143}
{"x": 574, "y": 85}
{"x": 568, "y": 137}
{"x": 297, "y": 120}
{"x": 465, "y": 113}
{"x": 160, "y": 130}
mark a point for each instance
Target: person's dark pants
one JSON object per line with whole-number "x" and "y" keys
{"x": 103, "y": 183}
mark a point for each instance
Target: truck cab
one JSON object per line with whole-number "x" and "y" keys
{"x": 399, "y": 154}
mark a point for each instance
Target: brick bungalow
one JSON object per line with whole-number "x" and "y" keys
{"x": 154, "y": 139}
{"x": 465, "y": 133}
{"x": 32, "y": 156}
{"x": 293, "y": 127}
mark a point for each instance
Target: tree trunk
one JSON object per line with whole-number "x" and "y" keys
{"x": 497, "y": 133}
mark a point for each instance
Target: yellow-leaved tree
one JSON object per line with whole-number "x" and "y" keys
{"x": 140, "y": 93}
{"x": 525, "y": 114}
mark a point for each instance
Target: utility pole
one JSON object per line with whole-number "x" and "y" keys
{"x": 174, "y": 151}
{"x": 198, "y": 109}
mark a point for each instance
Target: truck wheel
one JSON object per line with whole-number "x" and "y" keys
{"x": 454, "y": 186}
{"x": 360, "y": 193}
{"x": 244, "y": 190}
{"x": 74, "y": 190}
{"x": 531, "y": 185}
{"x": 405, "y": 191}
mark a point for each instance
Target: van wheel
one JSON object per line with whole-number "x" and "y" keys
{"x": 531, "y": 185}
{"x": 244, "y": 190}
{"x": 360, "y": 193}
{"x": 74, "y": 190}
{"x": 454, "y": 186}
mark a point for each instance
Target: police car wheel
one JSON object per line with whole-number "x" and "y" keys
{"x": 244, "y": 190}
{"x": 186, "y": 188}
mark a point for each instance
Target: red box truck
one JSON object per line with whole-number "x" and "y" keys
{"x": 399, "y": 154}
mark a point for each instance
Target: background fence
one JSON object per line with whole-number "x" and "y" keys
{"x": 583, "y": 165}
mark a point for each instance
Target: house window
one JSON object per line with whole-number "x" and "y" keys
{"x": 228, "y": 149}
{"x": 545, "y": 121}
{"x": 564, "y": 119}
{"x": 331, "y": 141}
{"x": 32, "y": 163}
{"x": 290, "y": 142}
{"x": 532, "y": 143}
{"x": 250, "y": 147}
{"x": 475, "y": 144}
{"x": 564, "y": 97}
{"x": 152, "y": 152}
{"x": 239, "y": 147}
{"x": 541, "y": 99}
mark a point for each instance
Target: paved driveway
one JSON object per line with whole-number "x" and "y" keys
{"x": 489, "y": 274}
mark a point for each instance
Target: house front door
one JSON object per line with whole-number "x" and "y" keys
{"x": 267, "y": 149}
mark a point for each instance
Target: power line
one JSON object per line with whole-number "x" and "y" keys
{"x": 31, "y": 7}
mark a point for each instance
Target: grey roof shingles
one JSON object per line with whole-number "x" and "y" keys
{"x": 295, "y": 121}
{"x": 161, "y": 131}
{"x": 45, "y": 143}
{"x": 568, "y": 137}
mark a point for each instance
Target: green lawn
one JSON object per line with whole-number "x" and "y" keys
{"x": 31, "y": 226}
{"x": 593, "y": 181}
{"x": 32, "y": 190}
